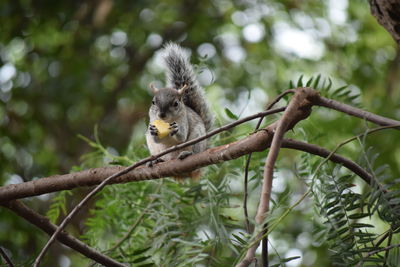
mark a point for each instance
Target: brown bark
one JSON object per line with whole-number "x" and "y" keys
{"x": 387, "y": 12}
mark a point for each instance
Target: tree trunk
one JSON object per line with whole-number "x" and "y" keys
{"x": 387, "y": 12}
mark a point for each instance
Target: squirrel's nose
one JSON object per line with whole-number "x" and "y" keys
{"x": 162, "y": 115}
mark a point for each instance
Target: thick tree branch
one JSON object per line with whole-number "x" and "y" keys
{"x": 172, "y": 168}
{"x": 300, "y": 105}
{"x": 246, "y": 169}
{"x": 43, "y": 223}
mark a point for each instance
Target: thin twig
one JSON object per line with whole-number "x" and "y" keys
{"x": 6, "y": 258}
{"x": 322, "y": 152}
{"x": 389, "y": 243}
{"x": 376, "y": 252}
{"x": 136, "y": 223}
{"x": 45, "y": 225}
{"x": 393, "y": 228}
{"x": 128, "y": 169}
{"x": 246, "y": 169}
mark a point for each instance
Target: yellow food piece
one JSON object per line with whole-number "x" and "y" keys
{"x": 162, "y": 127}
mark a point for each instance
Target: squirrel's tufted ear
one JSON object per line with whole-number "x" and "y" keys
{"x": 154, "y": 89}
{"x": 181, "y": 91}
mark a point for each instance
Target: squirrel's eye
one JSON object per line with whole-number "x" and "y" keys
{"x": 153, "y": 102}
{"x": 176, "y": 104}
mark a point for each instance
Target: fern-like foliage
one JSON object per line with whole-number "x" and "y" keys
{"x": 164, "y": 223}
{"x": 58, "y": 206}
{"x": 343, "y": 210}
{"x": 349, "y": 211}
{"x": 325, "y": 87}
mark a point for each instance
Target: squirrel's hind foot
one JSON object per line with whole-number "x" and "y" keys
{"x": 151, "y": 163}
{"x": 184, "y": 154}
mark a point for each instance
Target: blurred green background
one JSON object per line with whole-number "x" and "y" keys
{"x": 67, "y": 66}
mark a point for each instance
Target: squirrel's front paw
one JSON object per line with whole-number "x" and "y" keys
{"x": 173, "y": 127}
{"x": 153, "y": 130}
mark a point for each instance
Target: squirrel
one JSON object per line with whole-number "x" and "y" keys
{"x": 182, "y": 104}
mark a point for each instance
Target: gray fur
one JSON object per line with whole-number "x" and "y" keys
{"x": 180, "y": 73}
{"x": 190, "y": 126}
{"x": 186, "y": 111}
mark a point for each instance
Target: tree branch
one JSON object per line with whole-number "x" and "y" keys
{"x": 301, "y": 102}
{"x": 324, "y": 153}
{"x": 376, "y": 252}
{"x": 171, "y": 168}
{"x": 4, "y": 255}
{"x": 387, "y": 13}
{"x": 43, "y": 223}
{"x": 246, "y": 169}
{"x": 356, "y": 112}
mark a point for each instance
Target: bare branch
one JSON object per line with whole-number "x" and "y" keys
{"x": 333, "y": 104}
{"x": 376, "y": 252}
{"x": 246, "y": 169}
{"x": 303, "y": 98}
{"x": 43, "y": 223}
{"x": 4, "y": 255}
{"x": 322, "y": 152}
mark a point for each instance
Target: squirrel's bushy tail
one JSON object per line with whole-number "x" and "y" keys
{"x": 179, "y": 73}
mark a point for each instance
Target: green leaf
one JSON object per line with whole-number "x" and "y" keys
{"x": 309, "y": 82}
{"x": 146, "y": 265}
{"x": 139, "y": 251}
{"x": 358, "y": 215}
{"x": 341, "y": 223}
{"x": 339, "y": 90}
{"x": 230, "y": 114}
{"x": 316, "y": 82}
{"x": 361, "y": 225}
{"x": 329, "y": 84}
{"x": 361, "y": 234}
{"x": 141, "y": 259}
{"x": 238, "y": 238}
{"x": 290, "y": 259}
{"x": 334, "y": 210}
{"x": 331, "y": 204}
{"x": 300, "y": 81}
